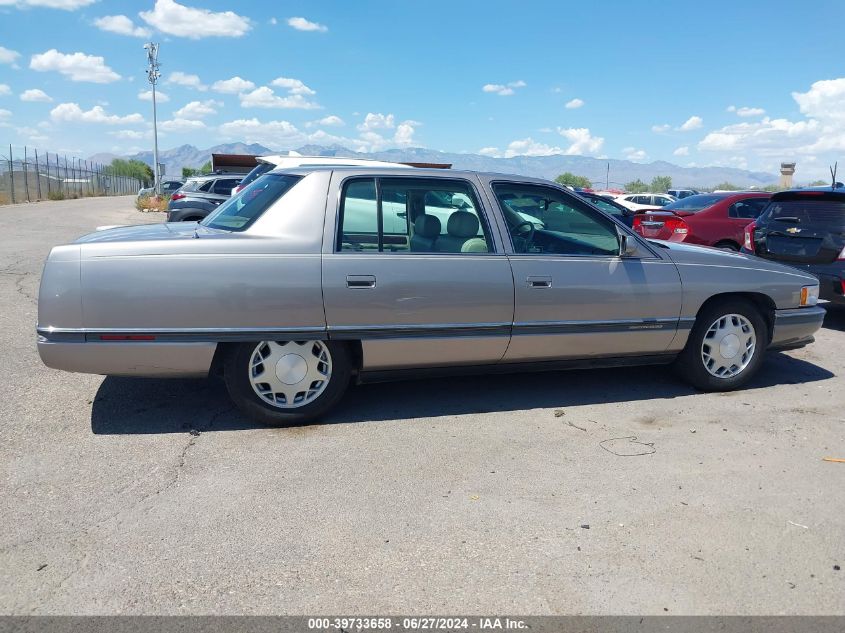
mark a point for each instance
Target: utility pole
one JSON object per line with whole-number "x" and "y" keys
{"x": 607, "y": 178}
{"x": 153, "y": 75}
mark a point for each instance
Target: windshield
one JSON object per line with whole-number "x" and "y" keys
{"x": 609, "y": 207}
{"x": 809, "y": 211}
{"x": 241, "y": 210}
{"x": 694, "y": 203}
{"x": 258, "y": 170}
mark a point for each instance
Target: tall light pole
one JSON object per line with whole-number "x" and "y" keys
{"x": 152, "y": 76}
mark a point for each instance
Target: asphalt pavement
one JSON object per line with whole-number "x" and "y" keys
{"x": 593, "y": 492}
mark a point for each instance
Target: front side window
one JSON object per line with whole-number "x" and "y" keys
{"x": 661, "y": 201}
{"x": 411, "y": 215}
{"x": 240, "y": 211}
{"x": 542, "y": 220}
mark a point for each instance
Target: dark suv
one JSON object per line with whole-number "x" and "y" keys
{"x": 201, "y": 195}
{"x": 806, "y": 229}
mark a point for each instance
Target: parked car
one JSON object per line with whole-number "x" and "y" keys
{"x": 609, "y": 206}
{"x": 200, "y": 195}
{"x": 295, "y": 285}
{"x": 680, "y": 194}
{"x": 708, "y": 219}
{"x": 167, "y": 188}
{"x": 266, "y": 163}
{"x": 805, "y": 229}
{"x": 641, "y": 201}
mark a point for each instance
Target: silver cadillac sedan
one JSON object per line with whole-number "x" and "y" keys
{"x": 312, "y": 276}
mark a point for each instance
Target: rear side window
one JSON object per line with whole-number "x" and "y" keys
{"x": 258, "y": 170}
{"x": 411, "y": 215}
{"x": 224, "y": 186}
{"x": 240, "y": 211}
{"x": 821, "y": 212}
{"x": 747, "y": 209}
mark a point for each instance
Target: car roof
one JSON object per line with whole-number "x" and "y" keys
{"x": 281, "y": 160}
{"x": 416, "y": 172}
{"x": 837, "y": 195}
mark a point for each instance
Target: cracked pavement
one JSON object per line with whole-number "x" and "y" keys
{"x": 437, "y": 496}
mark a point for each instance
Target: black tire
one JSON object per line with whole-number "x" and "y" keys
{"x": 728, "y": 246}
{"x": 690, "y": 363}
{"x": 236, "y": 376}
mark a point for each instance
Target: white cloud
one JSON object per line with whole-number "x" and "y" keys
{"x": 404, "y": 136}
{"x": 490, "y": 151}
{"x": 824, "y": 100}
{"x": 71, "y": 112}
{"x": 530, "y": 147}
{"x": 264, "y": 97}
{"x": 301, "y": 24}
{"x": 129, "y": 134}
{"x": 768, "y": 136}
{"x": 5, "y": 90}
{"x": 328, "y": 121}
{"x": 186, "y": 80}
{"x": 632, "y": 153}
{"x": 74, "y": 66}
{"x": 746, "y": 111}
{"x": 274, "y": 21}
{"x": 582, "y": 142}
{"x": 180, "y": 125}
{"x": 681, "y": 151}
{"x": 8, "y": 56}
{"x": 293, "y": 86}
{"x": 67, "y": 5}
{"x": 198, "y": 109}
{"x": 659, "y": 129}
{"x": 5, "y": 114}
{"x": 377, "y": 121}
{"x": 34, "y": 94}
{"x": 503, "y": 90}
{"x": 179, "y": 20}
{"x": 692, "y": 123}
{"x": 147, "y": 95}
{"x": 232, "y": 86}
{"x": 121, "y": 25}
{"x": 277, "y": 134}
{"x": 574, "y": 104}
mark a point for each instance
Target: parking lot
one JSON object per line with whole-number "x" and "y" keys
{"x": 593, "y": 492}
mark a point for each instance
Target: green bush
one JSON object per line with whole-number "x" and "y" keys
{"x": 56, "y": 195}
{"x": 146, "y": 204}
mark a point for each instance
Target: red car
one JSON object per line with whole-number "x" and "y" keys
{"x": 707, "y": 219}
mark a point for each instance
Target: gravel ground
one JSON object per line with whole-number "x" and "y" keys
{"x": 472, "y": 495}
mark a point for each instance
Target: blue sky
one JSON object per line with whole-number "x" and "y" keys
{"x": 744, "y": 84}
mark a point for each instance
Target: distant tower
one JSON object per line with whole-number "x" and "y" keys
{"x": 786, "y": 172}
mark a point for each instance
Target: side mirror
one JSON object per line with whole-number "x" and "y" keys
{"x": 627, "y": 245}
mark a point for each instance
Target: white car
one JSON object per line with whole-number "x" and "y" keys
{"x": 294, "y": 159}
{"x": 640, "y": 201}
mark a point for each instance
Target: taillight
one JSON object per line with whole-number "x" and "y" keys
{"x": 749, "y": 236}
{"x": 677, "y": 226}
{"x": 638, "y": 222}
{"x": 177, "y": 196}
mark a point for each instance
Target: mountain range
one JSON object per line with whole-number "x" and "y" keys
{"x": 620, "y": 172}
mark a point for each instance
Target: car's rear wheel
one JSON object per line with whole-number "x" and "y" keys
{"x": 728, "y": 246}
{"x": 287, "y": 382}
{"x": 726, "y": 346}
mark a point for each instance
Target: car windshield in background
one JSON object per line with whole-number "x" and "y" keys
{"x": 808, "y": 211}
{"x": 258, "y": 170}
{"x": 694, "y": 203}
{"x": 238, "y": 212}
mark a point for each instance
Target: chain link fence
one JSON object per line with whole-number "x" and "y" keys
{"x": 27, "y": 175}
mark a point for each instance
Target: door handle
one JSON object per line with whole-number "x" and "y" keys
{"x": 360, "y": 281}
{"x": 539, "y": 281}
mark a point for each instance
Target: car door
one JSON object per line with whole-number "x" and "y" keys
{"x": 575, "y": 297}
{"x": 414, "y": 269}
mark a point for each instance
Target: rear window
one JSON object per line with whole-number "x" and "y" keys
{"x": 258, "y": 170}
{"x": 241, "y": 210}
{"x": 809, "y": 211}
{"x": 694, "y": 203}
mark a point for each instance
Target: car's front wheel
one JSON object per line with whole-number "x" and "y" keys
{"x": 287, "y": 382}
{"x": 726, "y": 346}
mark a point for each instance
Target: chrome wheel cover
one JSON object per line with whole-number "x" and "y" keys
{"x": 728, "y": 346}
{"x": 289, "y": 374}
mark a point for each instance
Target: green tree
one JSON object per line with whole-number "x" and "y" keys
{"x": 206, "y": 167}
{"x": 133, "y": 168}
{"x": 636, "y": 186}
{"x": 187, "y": 172}
{"x": 661, "y": 184}
{"x": 818, "y": 183}
{"x": 570, "y": 179}
{"x": 727, "y": 186}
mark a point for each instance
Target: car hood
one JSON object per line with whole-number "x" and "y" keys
{"x": 708, "y": 256}
{"x": 143, "y": 233}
